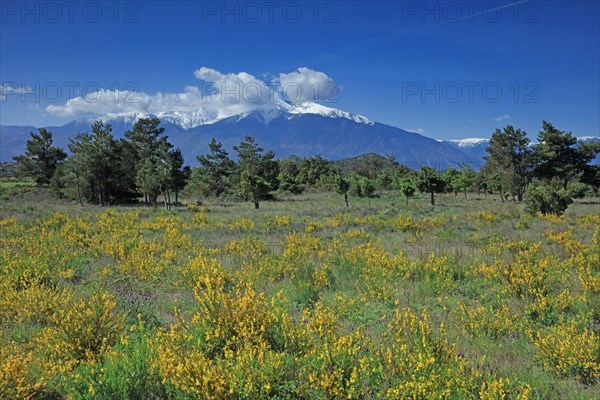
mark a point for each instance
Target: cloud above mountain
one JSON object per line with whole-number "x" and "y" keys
{"x": 307, "y": 85}
{"x": 218, "y": 95}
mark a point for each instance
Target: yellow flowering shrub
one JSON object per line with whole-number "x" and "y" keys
{"x": 496, "y": 323}
{"x": 571, "y": 349}
{"x": 19, "y": 373}
{"x": 242, "y": 224}
{"x": 229, "y": 348}
{"x": 318, "y": 304}
{"x": 82, "y": 330}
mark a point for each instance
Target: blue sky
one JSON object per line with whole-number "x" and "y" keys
{"x": 443, "y": 68}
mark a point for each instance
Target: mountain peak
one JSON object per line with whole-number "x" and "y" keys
{"x": 315, "y": 108}
{"x": 206, "y": 116}
{"x": 469, "y": 142}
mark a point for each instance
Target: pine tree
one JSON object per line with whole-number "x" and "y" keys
{"x": 509, "y": 154}
{"x": 216, "y": 168}
{"x": 258, "y": 171}
{"x": 558, "y": 155}
{"x": 341, "y": 186}
{"x": 41, "y": 158}
{"x": 430, "y": 181}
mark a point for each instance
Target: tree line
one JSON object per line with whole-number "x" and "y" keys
{"x": 144, "y": 166}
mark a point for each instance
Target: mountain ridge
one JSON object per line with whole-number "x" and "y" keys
{"x": 303, "y": 129}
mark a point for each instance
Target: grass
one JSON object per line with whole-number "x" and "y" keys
{"x": 362, "y": 262}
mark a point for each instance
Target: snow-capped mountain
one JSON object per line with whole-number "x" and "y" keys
{"x": 474, "y": 147}
{"x": 303, "y": 129}
{"x": 206, "y": 116}
{"x": 469, "y": 142}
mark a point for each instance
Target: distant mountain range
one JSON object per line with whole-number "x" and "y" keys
{"x": 303, "y": 130}
{"x": 475, "y": 147}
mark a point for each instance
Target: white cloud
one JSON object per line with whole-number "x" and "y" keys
{"x": 219, "y": 95}
{"x": 417, "y": 130}
{"x": 7, "y": 89}
{"x": 304, "y": 84}
{"x": 502, "y": 118}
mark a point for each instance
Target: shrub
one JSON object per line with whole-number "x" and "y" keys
{"x": 547, "y": 198}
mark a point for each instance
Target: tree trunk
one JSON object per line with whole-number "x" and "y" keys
{"x": 79, "y": 195}
{"x": 256, "y": 204}
{"x": 346, "y": 198}
{"x": 465, "y": 193}
{"x": 432, "y": 199}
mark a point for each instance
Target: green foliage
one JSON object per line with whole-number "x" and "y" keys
{"x": 361, "y": 186}
{"x": 258, "y": 171}
{"x": 369, "y": 165}
{"x": 147, "y": 179}
{"x": 102, "y": 170}
{"x": 407, "y": 187}
{"x": 155, "y": 168}
{"x": 41, "y": 158}
{"x": 94, "y": 166}
{"x": 547, "y": 198}
{"x": 127, "y": 372}
{"x": 430, "y": 181}
{"x": 315, "y": 172}
{"x": 510, "y": 156}
{"x": 213, "y": 177}
{"x": 463, "y": 180}
{"x": 289, "y": 176}
{"x": 341, "y": 185}
{"x": 558, "y": 155}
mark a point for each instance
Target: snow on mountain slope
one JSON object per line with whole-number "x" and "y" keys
{"x": 205, "y": 116}
{"x": 469, "y": 142}
{"x": 314, "y": 108}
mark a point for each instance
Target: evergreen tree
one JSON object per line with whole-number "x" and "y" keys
{"x": 430, "y": 181}
{"x": 148, "y": 180}
{"x": 315, "y": 171}
{"x": 509, "y": 154}
{"x": 143, "y": 144}
{"x": 289, "y": 175}
{"x": 465, "y": 180}
{"x": 41, "y": 158}
{"x": 153, "y": 166}
{"x": 451, "y": 177}
{"x": 558, "y": 155}
{"x": 258, "y": 171}
{"x": 180, "y": 174}
{"x": 407, "y": 187}
{"x": 212, "y": 178}
{"x": 341, "y": 186}
{"x": 93, "y": 167}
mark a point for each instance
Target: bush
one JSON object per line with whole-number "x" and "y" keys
{"x": 547, "y": 198}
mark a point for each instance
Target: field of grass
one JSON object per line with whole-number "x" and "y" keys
{"x": 303, "y": 298}
{"x": 12, "y": 186}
